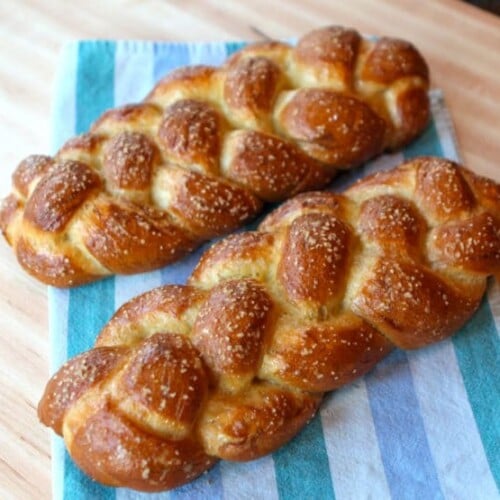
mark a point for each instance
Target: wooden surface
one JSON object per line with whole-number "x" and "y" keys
{"x": 460, "y": 42}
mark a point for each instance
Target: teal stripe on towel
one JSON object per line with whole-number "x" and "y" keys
{"x": 477, "y": 347}
{"x": 301, "y": 467}
{"x": 232, "y": 47}
{"x": 427, "y": 144}
{"x": 95, "y": 82}
{"x": 90, "y": 306}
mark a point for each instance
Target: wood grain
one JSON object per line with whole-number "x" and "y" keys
{"x": 459, "y": 41}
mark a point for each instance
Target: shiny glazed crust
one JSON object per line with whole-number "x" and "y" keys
{"x": 233, "y": 364}
{"x": 206, "y": 148}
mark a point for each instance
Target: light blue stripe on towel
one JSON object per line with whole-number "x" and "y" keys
{"x": 169, "y": 57}
{"x": 400, "y": 430}
{"x": 207, "y": 486}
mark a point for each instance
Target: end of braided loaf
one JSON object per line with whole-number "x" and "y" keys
{"x": 207, "y": 148}
{"x": 235, "y": 363}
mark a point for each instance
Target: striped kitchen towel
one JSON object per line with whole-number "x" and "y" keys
{"x": 422, "y": 425}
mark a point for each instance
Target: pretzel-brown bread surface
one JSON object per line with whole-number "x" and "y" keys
{"x": 233, "y": 364}
{"x": 207, "y": 148}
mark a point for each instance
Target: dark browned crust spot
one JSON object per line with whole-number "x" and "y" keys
{"x": 59, "y": 194}
{"x": 252, "y": 84}
{"x": 272, "y": 168}
{"x": 411, "y": 305}
{"x": 113, "y": 451}
{"x": 129, "y": 159}
{"x": 73, "y": 379}
{"x": 262, "y": 48}
{"x": 231, "y": 325}
{"x": 190, "y": 133}
{"x": 314, "y": 259}
{"x": 53, "y": 269}
{"x": 28, "y": 170}
{"x": 392, "y": 59}
{"x": 126, "y": 238}
{"x": 334, "y": 46}
{"x": 140, "y": 114}
{"x": 334, "y": 128}
{"x": 9, "y": 206}
{"x": 210, "y": 207}
{"x": 165, "y": 377}
{"x": 324, "y": 356}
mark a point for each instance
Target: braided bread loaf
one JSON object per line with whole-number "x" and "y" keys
{"x": 232, "y": 365}
{"x": 206, "y": 148}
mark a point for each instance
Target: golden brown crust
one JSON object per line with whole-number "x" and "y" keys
{"x": 270, "y": 167}
{"x": 139, "y": 459}
{"x": 323, "y": 356}
{"x": 333, "y": 128}
{"x": 73, "y": 379}
{"x": 313, "y": 260}
{"x": 190, "y": 134}
{"x": 60, "y": 269}
{"x": 413, "y": 113}
{"x": 230, "y": 329}
{"x": 332, "y": 51}
{"x": 128, "y": 117}
{"x": 392, "y": 59}
{"x": 241, "y": 252}
{"x": 208, "y": 147}
{"x": 165, "y": 308}
{"x": 248, "y": 426}
{"x": 163, "y": 385}
{"x": 180, "y": 79}
{"x": 487, "y": 190}
{"x": 127, "y": 239}
{"x": 210, "y": 207}
{"x": 392, "y": 223}
{"x": 129, "y": 159}
{"x": 411, "y": 305}
{"x": 234, "y": 364}
{"x": 314, "y": 202}
{"x": 443, "y": 192}
{"x": 30, "y": 169}
{"x": 59, "y": 195}
{"x": 9, "y": 208}
{"x": 472, "y": 244}
{"x": 252, "y": 83}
